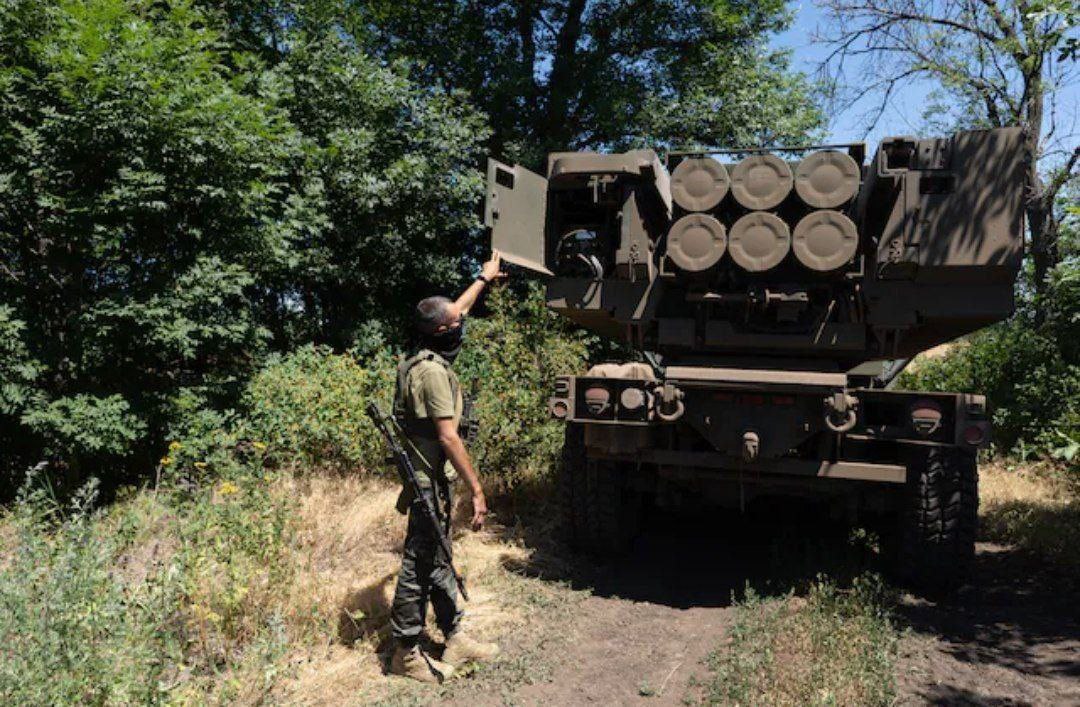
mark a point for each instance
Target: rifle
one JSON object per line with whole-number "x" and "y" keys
{"x": 408, "y": 473}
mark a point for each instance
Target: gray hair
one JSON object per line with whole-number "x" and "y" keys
{"x": 431, "y": 313}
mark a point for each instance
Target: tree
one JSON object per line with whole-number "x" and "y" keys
{"x": 172, "y": 206}
{"x": 396, "y": 171}
{"x": 1002, "y": 61}
{"x": 571, "y": 74}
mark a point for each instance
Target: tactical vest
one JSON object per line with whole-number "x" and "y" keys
{"x": 467, "y": 424}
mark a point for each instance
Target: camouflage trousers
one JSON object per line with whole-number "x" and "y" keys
{"x": 425, "y": 574}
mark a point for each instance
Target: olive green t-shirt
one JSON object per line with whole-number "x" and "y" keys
{"x": 430, "y": 391}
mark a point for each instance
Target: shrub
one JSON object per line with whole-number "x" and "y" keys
{"x": 157, "y": 597}
{"x": 71, "y": 631}
{"x": 1029, "y": 369}
{"x": 509, "y": 364}
{"x": 308, "y": 407}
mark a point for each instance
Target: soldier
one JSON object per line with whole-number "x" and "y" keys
{"x": 428, "y": 404}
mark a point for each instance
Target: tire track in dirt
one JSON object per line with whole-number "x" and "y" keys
{"x": 1012, "y": 637}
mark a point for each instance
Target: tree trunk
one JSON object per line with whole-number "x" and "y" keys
{"x": 1038, "y": 206}
{"x": 555, "y": 133}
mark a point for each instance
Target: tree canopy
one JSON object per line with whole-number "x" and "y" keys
{"x": 571, "y": 74}
{"x": 188, "y": 185}
{"x": 997, "y": 63}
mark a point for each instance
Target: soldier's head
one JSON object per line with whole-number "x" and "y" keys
{"x": 440, "y": 325}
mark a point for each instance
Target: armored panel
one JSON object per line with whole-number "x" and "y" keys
{"x": 569, "y": 166}
{"x": 761, "y": 181}
{"x": 825, "y": 240}
{"x": 827, "y": 179}
{"x": 699, "y": 183}
{"x": 759, "y": 241}
{"x": 515, "y": 212}
{"x": 696, "y": 242}
{"x": 970, "y": 213}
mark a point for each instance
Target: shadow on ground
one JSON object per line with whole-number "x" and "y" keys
{"x": 708, "y": 558}
{"x": 1010, "y": 637}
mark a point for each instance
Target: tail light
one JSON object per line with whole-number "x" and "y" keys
{"x": 597, "y": 400}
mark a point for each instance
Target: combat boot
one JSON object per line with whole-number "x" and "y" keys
{"x": 414, "y": 663}
{"x": 460, "y": 648}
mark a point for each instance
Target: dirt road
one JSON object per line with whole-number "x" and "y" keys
{"x": 1011, "y": 638}
{"x": 651, "y": 622}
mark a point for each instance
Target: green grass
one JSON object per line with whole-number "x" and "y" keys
{"x": 164, "y": 596}
{"x": 832, "y": 647}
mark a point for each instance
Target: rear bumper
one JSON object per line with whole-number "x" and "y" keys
{"x": 805, "y": 424}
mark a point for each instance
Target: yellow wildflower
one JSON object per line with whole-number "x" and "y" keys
{"x": 259, "y": 445}
{"x": 228, "y": 488}
{"x": 174, "y": 445}
{"x": 165, "y": 461}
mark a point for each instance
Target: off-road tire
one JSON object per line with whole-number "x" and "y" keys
{"x": 599, "y": 512}
{"x": 614, "y": 509}
{"x": 573, "y": 486}
{"x": 938, "y": 521}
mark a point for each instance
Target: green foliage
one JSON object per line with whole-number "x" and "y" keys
{"x": 557, "y": 75}
{"x": 308, "y": 408}
{"x": 138, "y": 184}
{"x": 70, "y": 631}
{"x": 151, "y": 600}
{"x": 393, "y": 174}
{"x": 510, "y": 361}
{"x": 88, "y": 423}
{"x": 747, "y": 97}
{"x": 18, "y": 369}
{"x": 170, "y": 205}
{"x": 1029, "y": 369}
{"x": 833, "y": 647}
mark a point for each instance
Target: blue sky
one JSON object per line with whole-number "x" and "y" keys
{"x": 903, "y": 114}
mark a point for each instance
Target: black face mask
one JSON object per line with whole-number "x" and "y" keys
{"x": 447, "y": 343}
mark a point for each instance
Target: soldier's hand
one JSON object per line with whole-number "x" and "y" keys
{"x": 492, "y": 269}
{"x": 479, "y": 513}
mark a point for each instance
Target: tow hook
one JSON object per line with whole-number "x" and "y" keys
{"x": 841, "y": 411}
{"x": 669, "y": 402}
{"x": 751, "y": 445}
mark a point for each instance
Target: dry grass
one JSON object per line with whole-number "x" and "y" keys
{"x": 347, "y": 551}
{"x": 833, "y": 647}
{"x": 1034, "y": 508}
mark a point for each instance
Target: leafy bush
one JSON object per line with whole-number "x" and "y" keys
{"x": 71, "y": 631}
{"x": 509, "y": 363}
{"x": 151, "y": 599}
{"x": 1029, "y": 369}
{"x": 308, "y": 407}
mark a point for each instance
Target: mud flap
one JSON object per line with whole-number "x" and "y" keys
{"x": 515, "y": 210}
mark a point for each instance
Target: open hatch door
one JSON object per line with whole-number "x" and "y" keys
{"x": 515, "y": 210}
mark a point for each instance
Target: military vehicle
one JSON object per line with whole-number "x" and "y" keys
{"x": 774, "y": 295}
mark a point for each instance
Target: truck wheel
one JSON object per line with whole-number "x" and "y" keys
{"x": 597, "y": 510}
{"x": 614, "y": 509}
{"x": 938, "y": 521}
{"x": 573, "y": 487}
